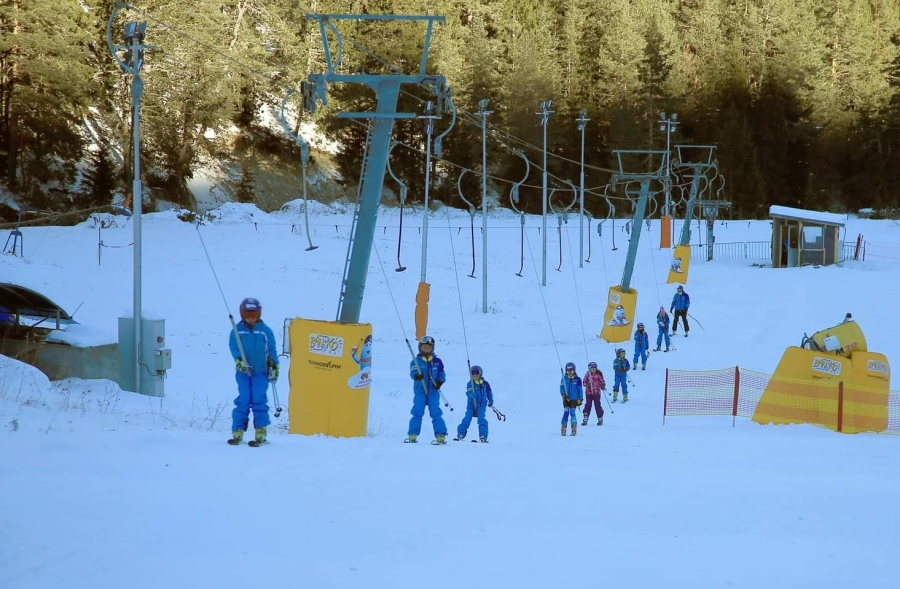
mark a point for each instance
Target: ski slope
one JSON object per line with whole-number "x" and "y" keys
{"x": 105, "y": 489}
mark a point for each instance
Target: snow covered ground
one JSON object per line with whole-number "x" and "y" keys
{"x": 104, "y": 488}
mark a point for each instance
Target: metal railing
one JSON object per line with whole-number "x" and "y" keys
{"x": 752, "y": 250}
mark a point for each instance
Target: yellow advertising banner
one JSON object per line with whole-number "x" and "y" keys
{"x": 331, "y": 370}
{"x": 681, "y": 262}
{"x": 619, "y": 315}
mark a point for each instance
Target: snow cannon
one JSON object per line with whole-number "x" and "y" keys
{"x": 831, "y": 379}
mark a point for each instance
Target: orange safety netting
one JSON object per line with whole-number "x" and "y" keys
{"x": 837, "y": 405}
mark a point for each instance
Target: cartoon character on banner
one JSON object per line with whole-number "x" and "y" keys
{"x": 362, "y": 355}
{"x": 676, "y": 265}
{"x": 619, "y": 317}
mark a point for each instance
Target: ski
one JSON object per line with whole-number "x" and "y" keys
{"x": 436, "y": 443}
{"x": 255, "y": 444}
{"x": 233, "y": 442}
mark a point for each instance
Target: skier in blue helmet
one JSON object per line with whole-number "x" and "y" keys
{"x": 427, "y": 372}
{"x": 256, "y": 365}
{"x": 572, "y": 393}
{"x": 478, "y": 398}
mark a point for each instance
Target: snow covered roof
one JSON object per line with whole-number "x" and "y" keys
{"x": 805, "y": 215}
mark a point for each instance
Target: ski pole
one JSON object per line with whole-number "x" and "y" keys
{"x": 608, "y": 404}
{"x": 277, "y": 402}
{"x": 443, "y": 398}
{"x": 500, "y": 415}
{"x": 631, "y": 382}
{"x": 695, "y": 320}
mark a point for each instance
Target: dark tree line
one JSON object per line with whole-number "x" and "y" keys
{"x": 802, "y": 98}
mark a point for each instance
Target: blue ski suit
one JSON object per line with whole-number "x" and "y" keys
{"x": 662, "y": 320}
{"x": 261, "y": 352}
{"x": 621, "y": 368}
{"x": 641, "y": 345}
{"x": 572, "y": 393}
{"x": 426, "y": 391}
{"x": 478, "y": 398}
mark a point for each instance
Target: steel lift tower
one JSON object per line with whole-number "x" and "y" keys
{"x": 387, "y": 90}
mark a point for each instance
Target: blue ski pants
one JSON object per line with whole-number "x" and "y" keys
{"x": 639, "y": 353}
{"x": 471, "y": 410}
{"x": 570, "y": 414}
{"x": 663, "y": 333}
{"x": 251, "y": 395}
{"x": 621, "y": 381}
{"x": 433, "y": 401}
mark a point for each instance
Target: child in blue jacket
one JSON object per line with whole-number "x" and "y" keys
{"x": 572, "y": 393}
{"x": 427, "y": 372}
{"x": 620, "y": 369}
{"x": 256, "y": 365}
{"x": 662, "y": 321}
{"x": 641, "y": 346}
{"x": 478, "y": 398}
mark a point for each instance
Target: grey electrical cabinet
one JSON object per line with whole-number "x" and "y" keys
{"x": 156, "y": 358}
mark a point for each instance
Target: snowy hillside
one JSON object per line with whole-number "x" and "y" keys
{"x": 111, "y": 489}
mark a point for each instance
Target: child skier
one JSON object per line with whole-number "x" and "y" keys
{"x": 256, "y": 365}
{"x": 641, "y": 346}
{"x": 427, "y": 372}
{"x": 478, "y": 398}
{"x": 621, "y": 368}
{"x": 662, "y": 320}
{"x": 594, "y": 383}
{"x": 572, "y": 394}
{"x": 681, "y": 302}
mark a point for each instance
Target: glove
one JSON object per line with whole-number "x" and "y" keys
{"x": 578, "y": 404}
{"x": 242, "y": 366}
{"x": 418, "y": 376}
{"x": 438, "y": 383}
{"x": 273, "y": 373}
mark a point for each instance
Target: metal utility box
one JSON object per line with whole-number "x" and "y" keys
{"x": 156, "y": 358}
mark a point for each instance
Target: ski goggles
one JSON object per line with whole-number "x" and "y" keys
{"x": 592, "y": 366}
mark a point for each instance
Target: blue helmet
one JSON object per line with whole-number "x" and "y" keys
{"x": 251, "y": 307}
{"x": 426, "y": 341}
{"x": 476, "y": 371}
{"x": 570, "y": 366}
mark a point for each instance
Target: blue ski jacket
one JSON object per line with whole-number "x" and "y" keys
{"x": 641, "y": 341}
{"x": 259, "y": 345}
{"x": 571, "y": 387}
{"x": 621, "y": 365}
{"x": 479, "y": 394}
{"x": 432, "y": 369}
{"x": 680, "y": 302}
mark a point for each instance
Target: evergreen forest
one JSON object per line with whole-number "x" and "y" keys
{"x": 801, "y": 97}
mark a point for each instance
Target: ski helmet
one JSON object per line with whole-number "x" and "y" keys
{"x": 426, "y": 341}
{"x": 640, "y": 326}
{"x": 476, "y": 371}
{"x": 620, "y": 351}
{"x": 570, "y": 366}
{"x": 592, "y": 365}
{"x": 251, "y": 308}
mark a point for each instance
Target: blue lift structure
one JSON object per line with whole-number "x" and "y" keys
{"x": 381, "y": 124}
